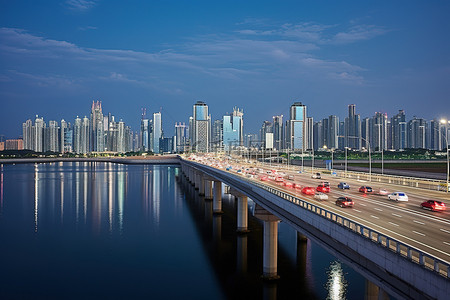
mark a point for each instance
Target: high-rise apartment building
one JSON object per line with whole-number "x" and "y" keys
{"x": 379, "y": 132}
{"x": 84, "y": 137}
{"x": 27, "y": 134}
{"x": 278, "y": 132}
{"x": 180, "y": 137}
{"x": 201, "y": 128}
{"x": 399, "y": 136}
{"x": 266, "y": 128}
{"x": 38, "y": 134}
{"x": 51, "y": 137}
{"x": 353, "y": 128}
{"x": 217, "y": 136}
{"x": 416, "y": 133}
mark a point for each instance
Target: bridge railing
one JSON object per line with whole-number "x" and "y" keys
{"x": 405, "y": 250}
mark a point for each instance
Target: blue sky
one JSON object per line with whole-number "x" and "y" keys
{"x": 56, "y": 57}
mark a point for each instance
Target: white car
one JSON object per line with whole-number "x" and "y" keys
{"x": 316, "y": 176}
{"x": 320, "y": 196}
{"x": 398, "y": 196}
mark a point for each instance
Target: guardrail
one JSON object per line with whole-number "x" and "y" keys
{"x": 409, "y": 252}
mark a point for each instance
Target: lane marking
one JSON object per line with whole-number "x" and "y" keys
{"x": 374, "y": 216}
{"x": 362, "y": 204}
{"x": 396, "y": 215}
{"x": 393, "y": 224}
{"x": 444, "y": 230}
{"x": 416, "y": 232}
{"x": 446, "y": 243}
{"x": 357, "y": 210}
{"x": 415, "y": 221}
{"x": 379, "y": 209}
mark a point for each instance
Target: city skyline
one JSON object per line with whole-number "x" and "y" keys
{"x": 56, "y": 57}
{"x": 102, "y": 133}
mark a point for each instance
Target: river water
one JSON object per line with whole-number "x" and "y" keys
{"x": 111, "y": 231}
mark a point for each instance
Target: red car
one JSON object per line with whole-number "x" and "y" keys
{"x": 323, "y": 188}
{"x": 365, "y": 189}
{"x": 288, "y": 184}
{"x": 433, "y": 205}
{"x": 309, "y": 190}
{"x": 344, "y": 202}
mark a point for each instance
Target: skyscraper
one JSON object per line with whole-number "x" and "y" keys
{"x": 51, "y": 137}
{"x": 278, "y": 132}
{"x": 353, "y": 128}
{"x": 201, "y": 128}
{"x": 180, "y": 137}
{"x": 84, "y": 137}
{"x": 97, "y": 137}
{"x": 157, "y": 131}
{"x": 416, "y": 128}
{"x": 297, "y": 128}
{"x": 27, "y": 131}
{"x": 38, "y": 134}
{"x": 333, "y": 132}
{"x": 266, "y": 128}
{"x": 378, "y": 138}
{"x": 217, "y": 135}
{"x": 399, "y": 137}
{"x": 232, "y": 129}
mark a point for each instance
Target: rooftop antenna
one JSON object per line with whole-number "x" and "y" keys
{"x": 144, "y": 112}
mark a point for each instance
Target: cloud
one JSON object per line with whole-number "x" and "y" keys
{"x": 80, "y": 5}
{"x": 84, "y": 28}
{"x": 358, "y": 33}
{"x": 228, "y": 57}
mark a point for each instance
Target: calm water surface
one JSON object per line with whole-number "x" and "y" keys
{"x": 110, "y": 231}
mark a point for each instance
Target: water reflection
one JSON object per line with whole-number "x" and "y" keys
{"x": 36, "y": 196}
{"x": 336, "y": 284}
{"x": 1, "y": 188}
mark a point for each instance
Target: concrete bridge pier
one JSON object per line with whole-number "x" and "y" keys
{"x": 217, "y": 201}
{"x": 201, "y": 185}
{"x": 209, "y": 190}
{"x": 191, "y": 175}
{"x": 270, "y": 242}
{"x": 196, "y": 179}
{"x": 242, "y": 211}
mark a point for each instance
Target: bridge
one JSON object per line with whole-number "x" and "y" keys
{"x": 398, "y": 246}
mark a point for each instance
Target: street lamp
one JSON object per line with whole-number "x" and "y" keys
{"x": 370, "y": 158}
{"x": 443, "y": 121}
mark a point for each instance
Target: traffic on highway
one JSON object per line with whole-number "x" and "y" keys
{"x": 415, "y": 216}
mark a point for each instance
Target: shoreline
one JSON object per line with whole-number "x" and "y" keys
{"x": 154, "y": 160}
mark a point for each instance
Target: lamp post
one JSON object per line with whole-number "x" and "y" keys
{"x": 443, "y": 121}
{"x": 346, "y": 148}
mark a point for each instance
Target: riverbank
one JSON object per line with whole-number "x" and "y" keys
{"x": 154, "y": 160}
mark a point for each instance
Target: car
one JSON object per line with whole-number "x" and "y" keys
{"x": 316, "y": 176}
{"x": 323, "y": 188}
{"x": 343, "y": 185}
{"x": 264, "y": 178}
{"x": 288, "y": 184}
{"x": 344, "y": 202}
{"x": 365, "y": 189}
{"x": 398, "y": 196}
{"x": 325, "y": 183}
{"x": 320, "y": 196}
{"x": 433, "y": 205}
{"x": 382, "y": 192}
{"x": 308, "y": 190}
